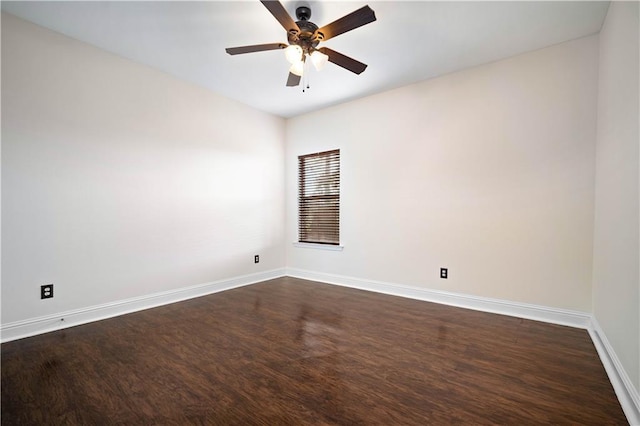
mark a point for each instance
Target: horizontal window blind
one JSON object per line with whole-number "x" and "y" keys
{"x": 319, "y": 198}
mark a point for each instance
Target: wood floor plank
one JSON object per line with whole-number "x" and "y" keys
{"x": 289, "y": 351}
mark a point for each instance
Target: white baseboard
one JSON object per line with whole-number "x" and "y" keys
{"x": 40, "y": 325}
{"x": 627, "y": 394}
{"x": 496, "y": 306}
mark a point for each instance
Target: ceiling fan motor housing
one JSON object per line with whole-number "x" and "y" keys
{"x": 308, "y": 37}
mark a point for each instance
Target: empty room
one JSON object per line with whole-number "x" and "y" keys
{"x": 320, "y": 212}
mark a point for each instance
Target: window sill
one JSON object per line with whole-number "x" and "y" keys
{"x": 328, "y": 247}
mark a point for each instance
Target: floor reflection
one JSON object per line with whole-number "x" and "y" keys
{"x": 321, "y": 364}
{"x": 319, "y": 333}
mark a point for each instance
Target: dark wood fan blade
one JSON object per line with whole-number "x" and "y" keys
{"x": 293, "y": 80}
{"x": 254, "y": 48}
{"x": 279, "y": 12}
{"x": 344, "y": 61}
{"x": 360, "y": 17}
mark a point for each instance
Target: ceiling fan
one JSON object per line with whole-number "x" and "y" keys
{"x": 304, "y": 36}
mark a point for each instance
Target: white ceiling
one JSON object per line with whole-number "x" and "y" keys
{"x": 410, "y": 41}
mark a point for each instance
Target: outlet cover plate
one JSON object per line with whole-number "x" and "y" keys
{"x": 46, "y": 291}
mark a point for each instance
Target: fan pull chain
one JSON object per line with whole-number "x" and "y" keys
{"x": 305, "y": 78}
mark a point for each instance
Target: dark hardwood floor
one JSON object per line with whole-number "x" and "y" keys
{"x": 289, "y": 351}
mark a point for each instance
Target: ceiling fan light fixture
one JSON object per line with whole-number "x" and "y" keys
{"x": 293, "y": 53}
{"x": 319, "y": 59}
{"x": 297, "y": 68}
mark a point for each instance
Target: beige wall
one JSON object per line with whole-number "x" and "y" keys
{"x": 616, "y": 283}
{"x": 488, "y": 172}
{"x": 119, "y": 181}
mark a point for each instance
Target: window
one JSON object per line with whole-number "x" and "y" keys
{"x": 319, "y": 198}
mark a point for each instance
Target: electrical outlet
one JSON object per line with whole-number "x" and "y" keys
{"x": 444, "y": 273}
{"x": 46, "y": 291}
{"x": 256, "y": 258}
